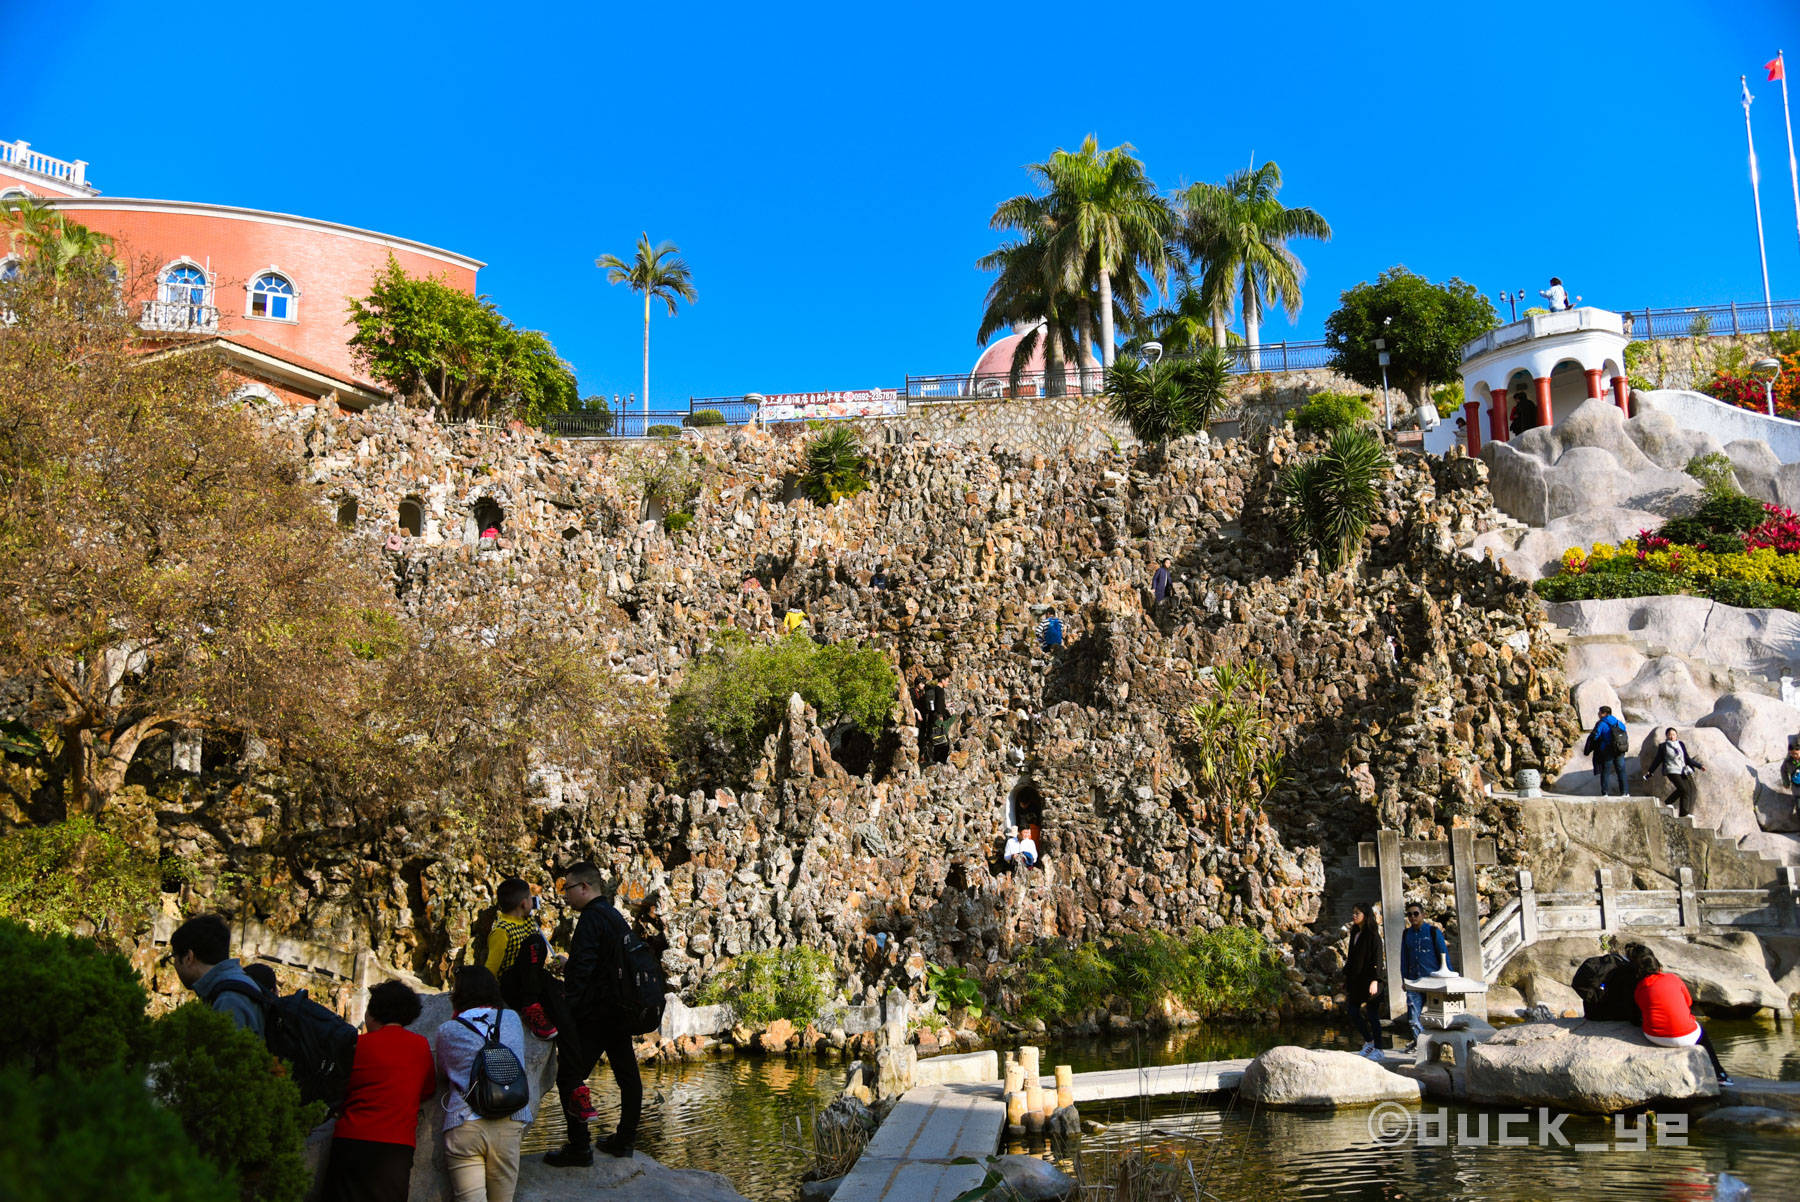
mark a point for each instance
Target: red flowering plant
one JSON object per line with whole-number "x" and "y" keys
{"x": 1647, "y": 541}
{"x": 1780, "y": 530}
{"x": 1735, "y": 386}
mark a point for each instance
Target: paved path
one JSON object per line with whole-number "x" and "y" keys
{"x": 910, "y": 1158}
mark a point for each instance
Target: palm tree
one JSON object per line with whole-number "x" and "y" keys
{"x": 660, "y": 273}
{"x": 1239, "y": 232}
{"x": 57, "y": 245}
{"x": 1026, "y": 294}
{"x": 1101, "y": 218}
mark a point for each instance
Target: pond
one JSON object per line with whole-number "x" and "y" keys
{"x": 738, "y": 1117}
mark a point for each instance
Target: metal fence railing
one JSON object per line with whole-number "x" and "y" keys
{"x": 611, "y": 425}
{"x": 1700, "y": 321}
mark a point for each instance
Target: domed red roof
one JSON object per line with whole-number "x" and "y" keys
{"x": 996, "y": 363}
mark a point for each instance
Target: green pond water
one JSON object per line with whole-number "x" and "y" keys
{"x": 738, "y": 1117}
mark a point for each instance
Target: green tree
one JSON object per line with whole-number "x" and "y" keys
{"x": 74, "y": 1006}
{"x": 1170, "y": 398}
{"x": 1424, "y": 325}
{"x": 660, "y": 273}
{"x": 426, "y": 336}
{"x": 51, "y": 243}
{"x": 235, "y": 1101}
{"x": 1239, "y": 232}
{"x": 77, "y": 875}
{"x": 1100, "y": 218}
{"x": 97, "y": 1136}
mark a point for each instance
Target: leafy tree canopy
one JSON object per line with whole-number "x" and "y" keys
{"x": 1425, "y": 336}
{"x": 74, "y": 1006}
{"x": 425, "y": 337}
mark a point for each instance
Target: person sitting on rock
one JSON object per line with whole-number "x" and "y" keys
{"x": 879, "y": 579}
{"x": 1422, "y": 952}
{"x": 1678, "y": 766}
{"x": 1021, "y": 850}
{"x": 1607, "y": 743}
{"x": 1668, "y": 1008}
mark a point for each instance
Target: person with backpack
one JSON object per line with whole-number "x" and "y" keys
{"x": 487, "y": 1098}
{"x": 518, "y": 955}
{"x": 1422, "y": 952}
{"x": 372, "y": 1144}
{"x": 593, "y": 983}
{"x": 1050, "y": 632}
{"x": 1678, "y": 766}
{"x": 200, "y": 951}
{"x": 1608, "y": 743}
{"x": 934, "y": 715}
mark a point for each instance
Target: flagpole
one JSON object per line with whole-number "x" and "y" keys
{"x": 1756, "y": 198}
{"x": 1793, "y": 175}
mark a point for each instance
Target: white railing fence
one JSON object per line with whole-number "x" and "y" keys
{"x": 21, "y": 155}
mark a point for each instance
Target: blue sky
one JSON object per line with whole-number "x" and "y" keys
{"x": 829, "y": 171}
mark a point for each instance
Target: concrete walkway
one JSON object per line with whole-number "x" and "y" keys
{"x": 910, "y": 1158}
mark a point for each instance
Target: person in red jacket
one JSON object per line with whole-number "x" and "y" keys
{"x": 1667, "y": 1007}
{"x": 393, "y": 1075}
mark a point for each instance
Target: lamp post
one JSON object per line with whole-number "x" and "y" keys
{"x": 1768, "y": 371}
{"x": 1381, "y": 357}
{"x": 1512, "y": 300}
{"x": 1153, "y": 352}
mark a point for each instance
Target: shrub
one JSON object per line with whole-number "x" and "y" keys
{"x": 789, "y": 982}
{"x": 675, "y": 523}
{"x": 1593, "y": 586}
{"x": 662, "y": 431}
{"x": 835, "y": 464}
{"x": 701, "y": 418}
{"x": 1448, "y": 399}
{"x": 1170, "y": 398}
{"x": 235, "y": 1102}
{"x": 77, "y": 875}
{"x": 68, "y": 1137}
{"x": 1331, "y": 499}
{"x": 1732, "y": 383}
{"x": 1714, "y": 472}
{"x": 1327, "y": 412}
{"x": 1230, "y": 972}
{"x": 69, "y": 1004}
{"x": 953, "y": 989}
{"x": 738, "y": 692}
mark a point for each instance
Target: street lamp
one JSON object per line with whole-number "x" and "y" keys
{"x": 1512, "y": 299}
{"x": 1768, "y": 371}
{"x": 1153, "y": 351}
{"x": 1381, "y": 357}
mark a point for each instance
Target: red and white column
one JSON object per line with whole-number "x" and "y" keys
{"x": 1593, "y": 378}
{"x": 1502, "y": 419}
{"x": 1543, "y": 399}
{"x": 1621, "y": 395}
{"x": 1472, "y": 421}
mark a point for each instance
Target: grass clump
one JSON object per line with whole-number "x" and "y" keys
{"x": 788, "y": 982}
{"x": 1230, "y": 972}
{"x": 702, "y": 418}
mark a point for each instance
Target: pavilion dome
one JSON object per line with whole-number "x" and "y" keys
{"x": 996, "y": 361}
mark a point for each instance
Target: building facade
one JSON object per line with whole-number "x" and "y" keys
{"x": 270, "y": 291}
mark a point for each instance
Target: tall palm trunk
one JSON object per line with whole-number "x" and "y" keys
{"x": 1218, "y": 328}
{"x": 1252, "y": 326}
{"x": 646, "y": 364}
{"x": 1055, "y": 374}
{"x": 1107, "y": 351}
{"x": 1083, "y": 318}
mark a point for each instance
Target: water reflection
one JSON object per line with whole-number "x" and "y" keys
{"x": 738, "y": 1117}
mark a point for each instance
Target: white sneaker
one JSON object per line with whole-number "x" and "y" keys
{"x": 1367, "y": 1047}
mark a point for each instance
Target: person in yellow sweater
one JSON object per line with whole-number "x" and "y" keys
{"x": 518, "y": 955}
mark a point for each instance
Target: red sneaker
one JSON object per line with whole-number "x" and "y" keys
{"x": 537, "y": 1022}
{"x": 584, "y": 1104}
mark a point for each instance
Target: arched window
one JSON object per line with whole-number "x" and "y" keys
{"x": 14, "y": 194}
{"x": 488, "y": 516}
{"x": 9, "y": 269}
{"x": 412, "y": 516}
{"x": 272, "y": 295}
{"x": 183, "y": 295}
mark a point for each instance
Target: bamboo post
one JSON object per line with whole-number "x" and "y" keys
{"x": 1034, "y": 1104}
{"x": 1065, "y": 1086}
{"x": 1015, "y": 1113}
{"x": 1029, "y": 1057}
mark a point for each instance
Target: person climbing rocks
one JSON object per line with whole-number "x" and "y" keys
{"x": 1608, "y": 743}
{"x": 1050, "y": 632}
{"x": 518, "y": 955}
{"x": 1790, "y": 771}
{"x": 879, "y": 578}
{"x": 1678, "y": 766}
{"x": 591, "y": 983}
{"x": 1555, "y": 294}
{"x": 1161, "y": 580}
{"x": 1422, "y": 952}
{"x": 1021, "y": 850}
{"x": 1668, "y": 1008}
{"x": 1362, "y": 977}
{"x": 934, "y": 716}
{"x": 793, "y": 620}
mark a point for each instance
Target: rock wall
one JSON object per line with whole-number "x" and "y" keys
{"x": 1398, "y": 688}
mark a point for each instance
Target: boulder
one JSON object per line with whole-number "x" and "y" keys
{"x": 1755, "y": 468}
{"x": 1783, "y": 849}
{"x": 1757, "y": 724}
{"x": 1725, "y": 794}
{"x": 1589, "y": 695}
{"x": 1775, "y": 810}
{"x": 1727, "y": 974}
{"x": 1663, "y": 693}
{"x": 820, "y": 1191}
{"x": 1030, "y": 1179}
{"x": 1666, "y": 442}
{"x": 1750, "y": 1118}
{"x": 1763, "y": 641}
{"x": 1595, "y": 1068}
{"x": 638, "y": 1179}
{"x": 1543, "y": 989}
{"x": 1615, "y": 662}
{"x": 1584, "y": 478}
{"x": 1303, "y": 1079}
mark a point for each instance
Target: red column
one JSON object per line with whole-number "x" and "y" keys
{"x": 1502, "y": 419}
{"x": 1472, "y": 419}
{"x": 1543, "y": 399}
{"x": 1593, "y": 383}
{"x": 1620, "y": 393}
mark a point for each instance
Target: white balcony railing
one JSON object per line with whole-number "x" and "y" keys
{"x": 21, "y": 155}
{"x": 180, "y": 317}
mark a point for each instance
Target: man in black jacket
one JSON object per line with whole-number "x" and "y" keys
{"x": 591, "y": 989}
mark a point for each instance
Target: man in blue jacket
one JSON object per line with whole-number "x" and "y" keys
{"x": 1607, "y": 743}
{"x": 1422, "y": 952}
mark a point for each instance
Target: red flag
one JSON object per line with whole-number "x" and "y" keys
{"x": 1776, "y": 70}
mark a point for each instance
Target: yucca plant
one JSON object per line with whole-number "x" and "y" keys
{"x": 1171, "y": 398}
{"x": 835, "y": 464}
{"x": 1331, "y": 499}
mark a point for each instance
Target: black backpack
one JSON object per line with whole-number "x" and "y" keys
{"x": 1621, "y": 742}
{"x": 318, "y": 1045}
{"x": 1606, "y": 985}
{"x": 497, "y": 1085}
{"x": 639, "y": 996}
